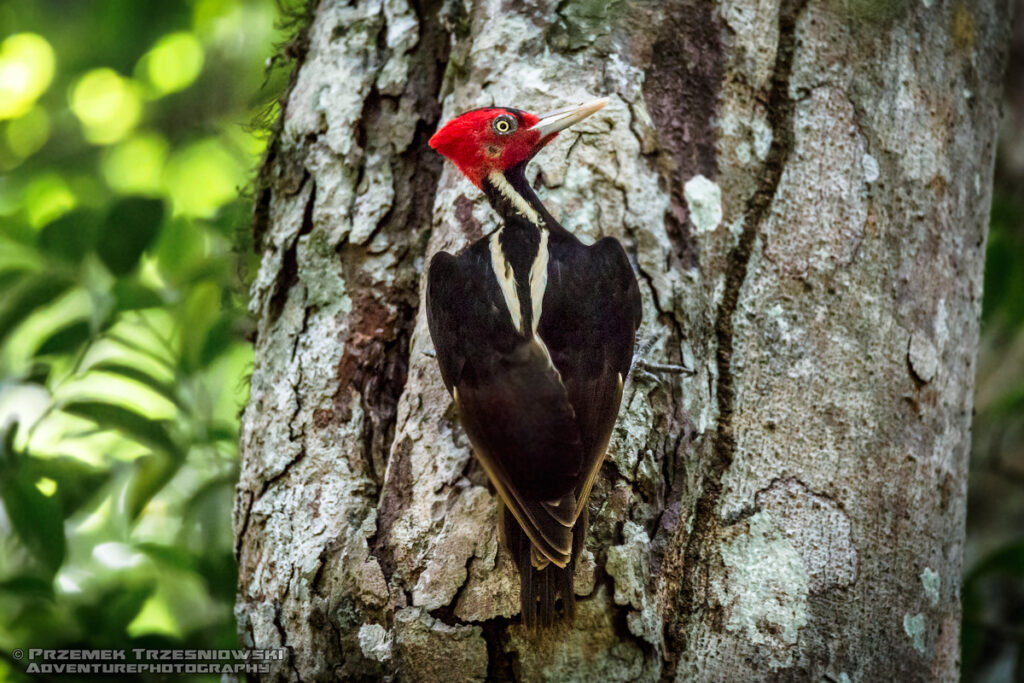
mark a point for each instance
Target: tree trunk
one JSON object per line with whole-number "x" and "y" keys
{"x": 804, "y": 187}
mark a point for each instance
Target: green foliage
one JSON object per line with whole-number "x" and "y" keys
{"x": 999, "y": 569}
{"x": 123, "y": 332}
{"x": 992, "y": 634}
{"x": 36, "y": 518}
{"x": 130, "y": 227}
{"x": 1004, "y": 278}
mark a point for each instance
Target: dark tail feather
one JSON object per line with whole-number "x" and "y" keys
{"x": 540, "y": 589}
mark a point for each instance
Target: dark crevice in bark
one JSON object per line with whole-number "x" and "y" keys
{"x": 665, "y": 525}
{"x": 338, "y": 638}
{"x": 374, "y": 367}
{"x": 288, "y": 275}
{"x": 446, "y": 613}
{"x": 314, "y": 583}
{"x": 395, "y": 498}
{"x": 369, "y": 117}
{"x": 409, "y": 219}
{"x": 780, "y": 111}
{"x": 297, "y": 383}
{"x": 376, "y": 358}
{"x": 282, "y": 474}
{"x": 502, "y": 665}
{"x": 620, "y": 613}
{"x": 693, "y": 596}
{"x": 261, "y": 213}
{"x": 244, "y": 528}
{"x": 283, "y": 634}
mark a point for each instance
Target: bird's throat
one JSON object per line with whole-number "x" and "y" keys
{"x": 514, "y": 200}
{"x": 508, "y": 199}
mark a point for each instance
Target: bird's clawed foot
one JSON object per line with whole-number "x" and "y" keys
{"x": 654, "y": 371}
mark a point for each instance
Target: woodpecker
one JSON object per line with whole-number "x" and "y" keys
{"x": 533, "y": 333}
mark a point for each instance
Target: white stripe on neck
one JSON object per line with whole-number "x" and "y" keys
{"x": 499, "y": 181}
{"x": 505, "y": 275}
{"x": 538, "y": 276}
{"x": 539, "y": 279}
{"x": 506, "y": 280}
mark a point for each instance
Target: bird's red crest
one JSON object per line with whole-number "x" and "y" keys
{"x": 487, "y": 140}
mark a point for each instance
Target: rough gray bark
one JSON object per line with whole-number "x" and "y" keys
{"x": 804, "y": 187}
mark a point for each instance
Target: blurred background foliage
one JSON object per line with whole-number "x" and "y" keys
{"x": 124, "y": 161}
{"x": 993, "y": 582}
{"x": 124, "y": 249}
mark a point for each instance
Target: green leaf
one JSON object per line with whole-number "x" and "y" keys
{"x": 165, "y": 389}
{"x": 220, "y": 571}
{"x": 36, "y": 518}
{"x": 234, "y": 218}
{"x": 200, "y": 314}
{"x": 17, "y": 256}
{"x": 205, "y": 521}
{"x": 10, "y": 278}
{"x": 28, "y": 585}
{"x": 131, "y": 295}
{"x": 1007, "y": 560}
{"x": 180, "y": 249}
{"x": 66, "y": 340}
{"x": 38, "y": 373}
{"x": 217, "y": 568}
{"x": 77, "y": 481}
{"x": 171, "y": 556}
{"x": 106, "y": 618}
{"x": 8, "y": 456}
{"x": 129, "y": 229}
{"x": 1010, "y": 404}
{"x": 156, "y": 354}
{"x": 30, "y": 294}
{"x": 150, "y": 474}
{"x": 217, "y": 340}
{"x": 219, "y": 431}
{"x": 152, "y": 433}
{"x": 1004, "y": 280}
{"x": 71, "y": 236}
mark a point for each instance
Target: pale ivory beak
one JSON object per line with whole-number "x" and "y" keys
{"x": 560, "y": 119}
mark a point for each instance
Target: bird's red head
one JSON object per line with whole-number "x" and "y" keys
{"x": 483, "y": 141}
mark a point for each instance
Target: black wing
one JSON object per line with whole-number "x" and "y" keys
{"x": 591, "y": 313}
{"x": 510, "y": 399}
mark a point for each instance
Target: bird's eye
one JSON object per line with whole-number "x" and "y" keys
{"x": 504, "y": 124}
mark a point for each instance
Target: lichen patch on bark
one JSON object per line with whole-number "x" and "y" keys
{"x": 766, "y": 586}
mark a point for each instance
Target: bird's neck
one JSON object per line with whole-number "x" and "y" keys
{"x": 516, "y": 202}
{"x": 519, "y": 249}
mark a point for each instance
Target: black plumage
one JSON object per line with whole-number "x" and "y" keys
{"x": 539, "y": 407}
